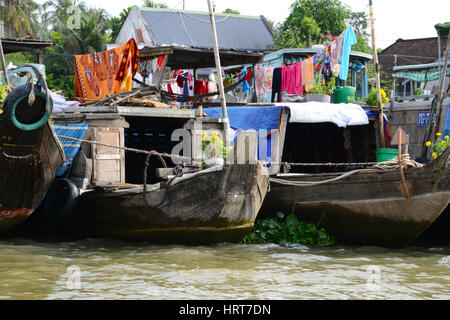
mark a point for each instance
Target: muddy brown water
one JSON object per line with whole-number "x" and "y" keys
{"x": 111, "y": 269}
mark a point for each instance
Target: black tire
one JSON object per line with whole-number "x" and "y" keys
{"x": 61, "y": 199}
{"x": 22, "y": 116}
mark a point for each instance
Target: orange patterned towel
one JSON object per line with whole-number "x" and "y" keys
{"x": 108, "y": 72}
{"x": 308, "y": 73}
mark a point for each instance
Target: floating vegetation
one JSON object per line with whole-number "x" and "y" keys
{"x": 288, "y": 229}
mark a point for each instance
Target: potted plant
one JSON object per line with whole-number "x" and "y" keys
{"x": 321, "y": 92}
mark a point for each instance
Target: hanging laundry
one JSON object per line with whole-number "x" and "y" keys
{"x": 107, "y": 72}
{"x": 308, "y": 73}
{"x": 246, "y": 82}
{"x": 259, "y": 78}
{"x": 276, "y": 84}
{"x": 160, "y": 61}
{"x": 358, "y": 67}
{"x": 336, "y": 54}
{"x": 180, "y": 81}
{"x": 200, "y": 87}
{"x": 347, "y": 43}
{"x": 267, "y": 81}
{"x": 227, "y": 82}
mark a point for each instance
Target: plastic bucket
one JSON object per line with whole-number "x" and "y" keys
{"x": 344, "y": 95}
{"x": 384, "y": 154}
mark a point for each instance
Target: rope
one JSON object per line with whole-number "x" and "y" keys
{"x": 151, "y": 152}
{"x": 394, "y": 163}
{"x": 330, "y": 164}
{"x": 192, "y": 17}
{"x": 313, "y": 183}
{"x": 390, "y": 164}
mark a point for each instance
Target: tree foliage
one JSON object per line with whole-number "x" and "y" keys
{"x": 154, "y": 4}
{"x": 116, "y": 23}
{"x": 231, "y": 11}
{"x": 310, "y": 18}
{"x": 19, "y": 17}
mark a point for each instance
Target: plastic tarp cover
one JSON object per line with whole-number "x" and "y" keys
{"x": 15, "y": 78}
{"x": 261, "y": 119}
{"x": 342, "y": 114}
{"x": 71, "y": 148}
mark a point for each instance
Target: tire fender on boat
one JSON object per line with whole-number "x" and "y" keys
{"x": 17, "y": 101}
{"x": 61, "y": 199}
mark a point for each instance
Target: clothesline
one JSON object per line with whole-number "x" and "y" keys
{"x": 302, "y": 74}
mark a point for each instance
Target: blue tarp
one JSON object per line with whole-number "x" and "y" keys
{"x": 447, "y": 123}
{"x": 73, "y": 130}
{"x": 251, "y": 118}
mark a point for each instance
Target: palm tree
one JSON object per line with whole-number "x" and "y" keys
{"x": 57, "y": 13}
{"x": 92, "y": 34}
{"x": 16, "y": 16}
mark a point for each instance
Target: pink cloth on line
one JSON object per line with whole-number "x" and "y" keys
{"x": 336, "y": 51}
{"x": 284, "y": 79}
{"x": 292, "y": 79}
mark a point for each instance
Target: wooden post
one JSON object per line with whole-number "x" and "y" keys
{"x": 219, "y": 73}
{"x": 441, "y": 86}
{"x": 377, "y": 70}
{"x": 163, "y": 69}
{"x": 438, "y": 102}
{"x": 2, "y": 58}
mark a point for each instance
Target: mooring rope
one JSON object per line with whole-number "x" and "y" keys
{"x": 406, "y": 162}
{"x": 394, "y": 163}
{"x": 313, "y": 183}
{"x": 151, "y": 152}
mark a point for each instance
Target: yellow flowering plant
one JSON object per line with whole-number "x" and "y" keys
{"x": 372, "y": 99}
{"x": 213, "y": 146}
{"x": 4, "y": 88}
{"x": 439, "y": 145}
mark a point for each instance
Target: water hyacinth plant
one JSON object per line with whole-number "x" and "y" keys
{"x": 439, "y": 145}
{"x": 288, "y": 229}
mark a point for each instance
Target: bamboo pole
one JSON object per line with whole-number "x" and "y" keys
{"x": 377, "y": 71}
{"x": 437, "y": 106}
{"x": 2, "y": 58}
{"x": 440, "y": 98}
{"x": 219, "y": 71}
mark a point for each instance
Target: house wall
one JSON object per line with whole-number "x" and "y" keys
{"x": 409, "y": 116}
{"x": 133, "y": 23}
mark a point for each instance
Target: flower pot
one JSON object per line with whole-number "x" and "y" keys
{"x": 318, "y": 98}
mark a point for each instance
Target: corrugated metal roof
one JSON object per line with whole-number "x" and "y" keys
{"x": 193, "y": 29}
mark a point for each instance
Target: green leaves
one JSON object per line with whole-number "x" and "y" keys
{"x": 288, "y": 229}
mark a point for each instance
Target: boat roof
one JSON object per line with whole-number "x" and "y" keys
{"x": 182, "y": 57}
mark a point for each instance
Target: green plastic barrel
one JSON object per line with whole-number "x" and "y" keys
{"x": 344, "y": 95}
{"x": 384, "y": 154}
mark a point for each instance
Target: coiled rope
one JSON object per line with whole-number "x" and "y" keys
{"x": 394, "y": 163}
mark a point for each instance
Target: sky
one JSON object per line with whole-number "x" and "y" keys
{"x": 394, "y": 19}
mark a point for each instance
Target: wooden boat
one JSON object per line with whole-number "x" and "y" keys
{"x": 30, "y": 156}
{"x": 218, "y": 204}
{"x": 368, "y": 207}
{"x": 103, "y": 194}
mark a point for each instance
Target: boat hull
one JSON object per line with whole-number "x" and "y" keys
{"x": 366, "y": 208}
{"x": 29, "y": 161}
{"x": 208, "y": 207}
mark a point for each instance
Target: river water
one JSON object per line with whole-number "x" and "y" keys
{"x": 111, "y": 269}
